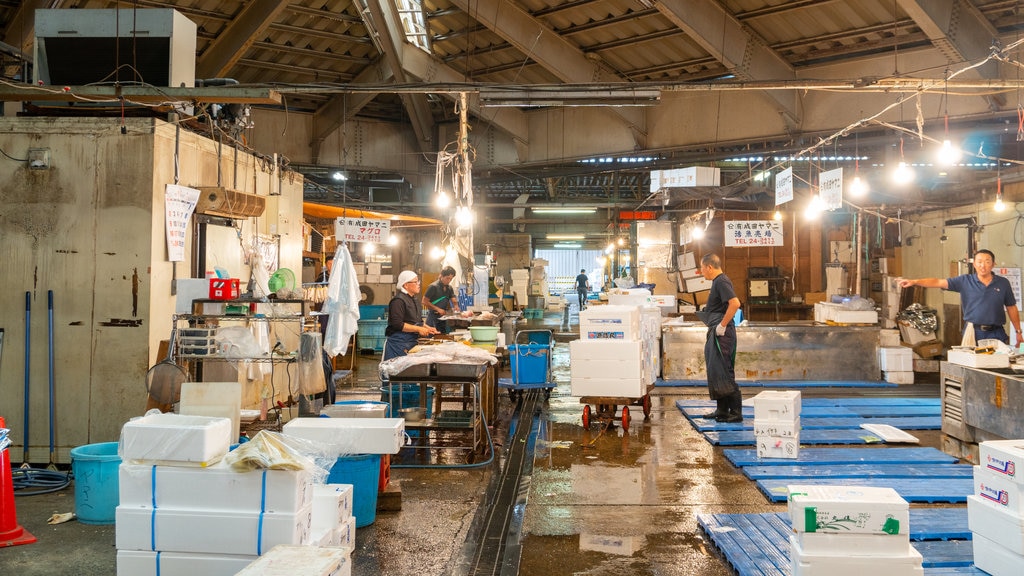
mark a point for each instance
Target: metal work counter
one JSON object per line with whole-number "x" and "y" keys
{"x": 769, "y": 351}
{"x": 979, "y": 404}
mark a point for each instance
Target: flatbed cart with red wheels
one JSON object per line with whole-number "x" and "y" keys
{"x": 607, "y": 407}
{"x": 530, "y": 360}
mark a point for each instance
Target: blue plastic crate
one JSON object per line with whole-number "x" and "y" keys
{"x": 529, "y": 363}
{"x": 372, "y": 311}
{"x": 375, "y": 343}
{"x": 371, "y": 335}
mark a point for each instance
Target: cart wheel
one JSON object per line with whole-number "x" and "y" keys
{"x": 547, "y": 393}
{"x": 586, "y": 415}
{"x": 625, "y": 417}
{"x": 647, "y": 406}
{"x": 511, "y": 394}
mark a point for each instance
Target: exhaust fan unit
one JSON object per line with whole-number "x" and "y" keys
{"x": 220, "y": 201}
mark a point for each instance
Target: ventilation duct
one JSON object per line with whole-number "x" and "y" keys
{"x": 220, "y": 201}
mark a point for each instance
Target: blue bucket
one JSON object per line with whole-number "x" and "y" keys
{"x": 362, "y": 471}
{"x": 405, "y": 396}
{"x": 96, "y": 487}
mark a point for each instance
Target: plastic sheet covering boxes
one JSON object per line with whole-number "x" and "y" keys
{"x": 777, "y": 423}
{"x": 995, "y": 512}
{"x": 184, "y": 511}
{"x": 850, "y": 531}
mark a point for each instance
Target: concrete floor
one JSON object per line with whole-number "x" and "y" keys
{"x": 599, "y": 501}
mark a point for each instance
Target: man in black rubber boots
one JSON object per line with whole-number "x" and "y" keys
{"x": 720, "y": 346}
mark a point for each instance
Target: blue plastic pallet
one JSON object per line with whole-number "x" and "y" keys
{"x": 913, "y": 423}
{"x": 848, "y": 402}
{"x": 758, "y": 544}
{"x": 807, "y": 437}
{"x": 748, "y": 411}
{"x": 780, "y": 383}
{"x": 951, "y": 490}
{"x": 830, "y": 456}
{"x": 840, "y": 471}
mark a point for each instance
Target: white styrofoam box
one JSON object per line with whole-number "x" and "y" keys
{"x": 149, "y": 563}
{"x": 899, "y": 377}
{"x": 839, "y": 544}
{"x": 218, "y": 399}
{"x": 685, "y": 261}
{"x": 969, "y": 358}
{"x": 217, "y": 487}
{"x": 697, "y": 284}
{"x": 616, "y": 387}
{"x": 305, "y": 560}
{"x": 999, "y": 489}
{"x": 332, "y": 505}
{"x": 321, "y": 538}
{"x": 351, "y": 435}
{"x": 847, "y": 509}
{"x": 896, "y": 359}
{"x": 610, "y": 322}
{"x": 777, "y": 405}
{"x": 1002, "y": 457}
{"x": 911, "y": 335}
{"x": 778, "y": 446}
{"x": 345, "y": 535}
{"x": 926, "y": 366}
{"x": 169, "y": 437}
{"x": 208, "y": 531}
{"x": 804, "y": 564}
{"x": 995, "y": 523}
{"x": 685, "y": 177}
{"x": 605, "y": 359}
{"x": 387, "y": 278}
{"x": 995, "y": 559}
{"x": 888, "y": 338}
{"x": 373, "y": 268}
{"x": 781, "y": 428}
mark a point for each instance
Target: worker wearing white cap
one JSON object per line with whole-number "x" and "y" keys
{"x": 405, "y": 317}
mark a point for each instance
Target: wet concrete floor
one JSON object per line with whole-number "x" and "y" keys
{"x": 599, "y": 501}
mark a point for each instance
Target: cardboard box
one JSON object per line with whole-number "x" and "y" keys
{"x": 847, "y": 509}
{"x": 217, "y": 487}
{"x": 929, "y": 349}
{"x": 812, "y": 298}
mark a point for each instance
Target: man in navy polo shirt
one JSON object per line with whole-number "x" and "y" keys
{"x": 983, "y": 297}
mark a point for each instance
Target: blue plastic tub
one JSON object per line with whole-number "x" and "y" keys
{"x": 372, "y": 311}
{"x": 362, "y": 471}
{"x": 405, "y": 396}
{"x": 94, "y": 467}
{"x": 529, "y": 363}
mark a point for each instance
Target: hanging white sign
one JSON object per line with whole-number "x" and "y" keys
{"x": 830, "y": 189}
{"x": 784, "y": 186}
{"x": 750, "y": 233}
{"x": 349, "y": 229}
{"x": 179, "y": 203}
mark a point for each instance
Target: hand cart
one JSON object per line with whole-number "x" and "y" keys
{"x": 530, "y": 360}
{"x": 606, "y": 408}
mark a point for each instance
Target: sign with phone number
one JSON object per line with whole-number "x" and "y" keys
{"x": 362, "y": 230}
{"x": 747, "y": 233}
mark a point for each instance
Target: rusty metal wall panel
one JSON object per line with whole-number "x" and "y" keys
{"x": 778, "y": 352}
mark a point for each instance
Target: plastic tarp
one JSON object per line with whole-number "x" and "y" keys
{"x": 342, "y": 304}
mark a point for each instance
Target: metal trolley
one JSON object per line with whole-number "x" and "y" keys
{"x": 607, "y": 408}
{"x": 530, "y": 360}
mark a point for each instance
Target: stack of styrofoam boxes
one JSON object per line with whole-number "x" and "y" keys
{"x": 539, "y": 278}
{"x": 777, "y": 423}
{"x": 332, "y": 523}
{"x": 890, "y": 296}
{"x": 995, "y": 512}
{"x": 607, "y": 360}
{"x": 650, "y": 342}
{"x": 520, "y": 284}
{"x": 850, "y": 531}
{"x": 897, "y": 364}
{"x": 305, "y": 560}
{"x": 183, "y": 512}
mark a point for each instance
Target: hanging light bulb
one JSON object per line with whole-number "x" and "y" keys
{"x": 369, "y": 248}
{"x": 436, "y": 253}
{"x": 777, "y": 216}
{"x": 814, "y": 208}
{"x": 903, "y": 174}
{"x": 443, "y": 200}
{"x": 621, "y": 241}
{"x": 858, "y": 187}
{"x": 463, "y": 216}
{"x": 698, "y": 232}
{"x": 999, "y": 206}
{"x": 392, "y": 240}
{"x": 948, "y": 155}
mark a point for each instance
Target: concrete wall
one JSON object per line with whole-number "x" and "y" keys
{"x": 91, "y": 229}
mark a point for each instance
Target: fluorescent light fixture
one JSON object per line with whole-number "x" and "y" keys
{"x": 568, "y": 245}
{"x": 564, "y": 210}
{"x": 580, "y": 97}
{"x": 565, "y": 236}
{"x": 339, "y": 176}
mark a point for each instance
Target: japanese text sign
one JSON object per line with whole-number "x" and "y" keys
{"x": 350, "y": 229}
{"x": 750, "y": 233}
{"x": 179, "y": 203}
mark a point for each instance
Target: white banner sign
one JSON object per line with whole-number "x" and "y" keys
{"x": 784, "y": 186}
{"x": 749, "y": 233}
{"x": 830, "y": 189}
{"x": 179, "y": 202}
{"x": 362, "y": 230}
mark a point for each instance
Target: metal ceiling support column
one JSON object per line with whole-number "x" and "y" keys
{"x": 550, "y": 50}
{"x": 733, "y": 44}
{"x": 232, "y": 43}
{"x": 961, "y": 32}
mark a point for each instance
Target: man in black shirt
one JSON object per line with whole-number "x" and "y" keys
{"x": 720, "y": 346}
{"x": 439, "y": 300}
{"x": 582, "y": 287}
{"x": 405, "y": 318}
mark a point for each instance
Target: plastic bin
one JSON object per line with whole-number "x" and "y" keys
{"x": 529, "y": 363}
{"x": 372, "y": 311}
{"x": 96, "y": 482}
{"x": 362, "y": 471}
{"x": 405, "y": 396}
{"x": 370, "y": 335}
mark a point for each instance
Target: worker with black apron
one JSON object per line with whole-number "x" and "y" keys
{"x": 405, "y": 318}
{"x": 720, "y": 346}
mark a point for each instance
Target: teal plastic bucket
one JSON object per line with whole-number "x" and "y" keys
{"x": 94, "y": 467}
{"x": 405, "y": 396}
{"x": 362, "y": 471}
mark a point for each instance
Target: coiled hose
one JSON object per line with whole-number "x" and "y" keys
{"x": 34, "y": 481}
